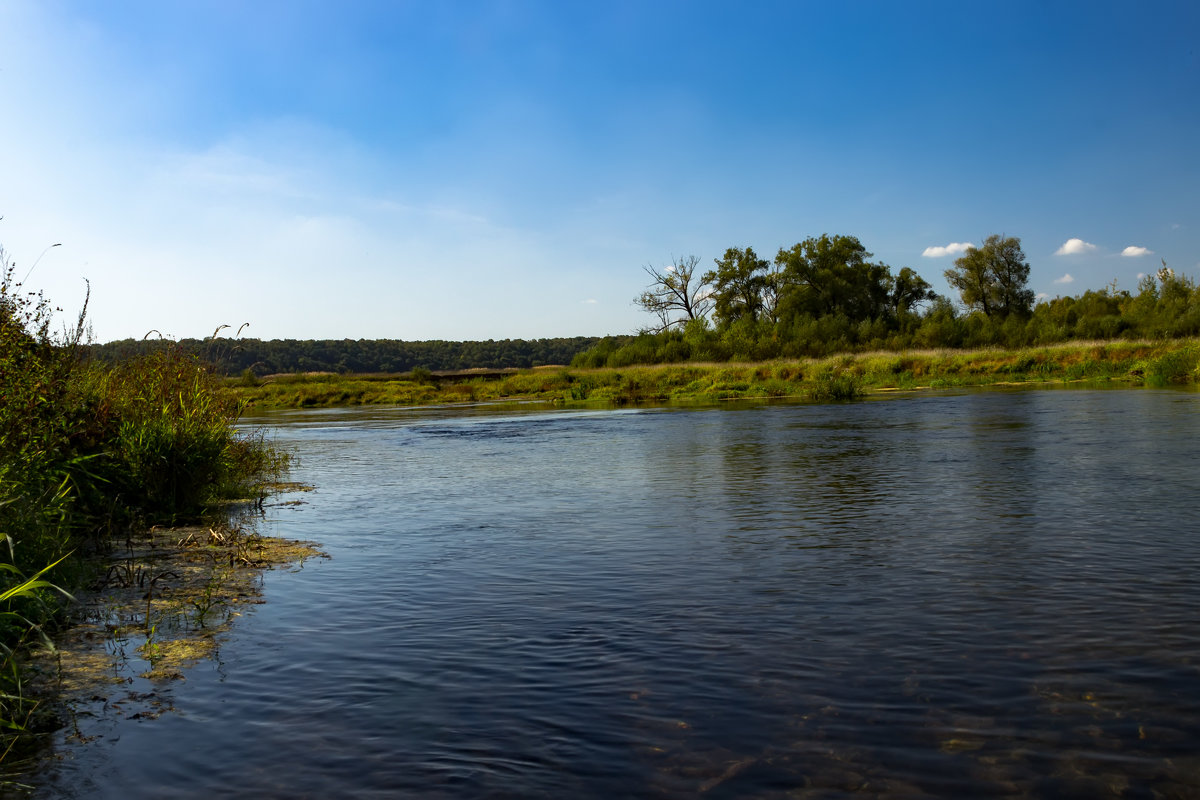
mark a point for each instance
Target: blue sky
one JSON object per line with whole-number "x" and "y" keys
{"x": 472, "y": 170}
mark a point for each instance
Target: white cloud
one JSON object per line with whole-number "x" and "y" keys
{"x": 1073, "y": 247}
{"x": 1041, "y": 296}
{"x": 1134, "y": 252}
{"x": 591, "y": 301}
{"x": 1141, "y": 275}
{"x": 1065, "y": 279}
{"x": 947, "y": 250}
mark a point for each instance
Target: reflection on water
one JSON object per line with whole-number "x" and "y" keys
{"x": 981, "y": 594}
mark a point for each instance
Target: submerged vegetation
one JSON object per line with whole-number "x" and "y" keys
{"x": 89, "y": 453}
{"x": 840, "y": 377}
{"x": 161, "y": 606}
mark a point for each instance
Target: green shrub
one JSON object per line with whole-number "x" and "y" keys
{"x": 836, "y": 384}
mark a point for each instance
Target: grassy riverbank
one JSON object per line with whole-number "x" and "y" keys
{"x": 89, "y": 456}
{"x": 836, "y": 377}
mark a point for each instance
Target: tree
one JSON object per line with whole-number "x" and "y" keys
{"x": 908, "y": 290}
{"x": 831, "y": 275}
{"x": 676, "y": 290}
{"x": 993, "y": 278}
{"x": 738, "y": 284}
{"x": 774, "y": 283}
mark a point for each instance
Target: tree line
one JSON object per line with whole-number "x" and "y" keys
{"x": 826, "y": 295}
{"x": 234, "y": 356}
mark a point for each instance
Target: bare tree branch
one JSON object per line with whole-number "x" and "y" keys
{"x": 676, "y": 294}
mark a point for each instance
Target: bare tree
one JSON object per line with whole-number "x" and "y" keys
{"x": 676, "y": 294}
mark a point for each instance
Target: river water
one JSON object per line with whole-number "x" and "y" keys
{"x": 978, "y": 594}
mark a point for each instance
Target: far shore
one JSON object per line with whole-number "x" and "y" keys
{"x": 841, "y": 377}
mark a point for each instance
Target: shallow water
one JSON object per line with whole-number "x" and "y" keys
{"x": 980, "y": 594}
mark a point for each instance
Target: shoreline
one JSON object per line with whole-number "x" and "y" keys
{"x": 163, "y": 601}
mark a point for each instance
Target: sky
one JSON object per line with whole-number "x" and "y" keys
{"x": 450, "y": 169}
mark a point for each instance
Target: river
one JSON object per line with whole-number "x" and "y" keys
{"x": 991, "y": 593}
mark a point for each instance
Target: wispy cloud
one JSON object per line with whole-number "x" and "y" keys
{"x": 591, "y": 301}
{"x": 941, "y": 251}
{"x": 1074, "y": 247}
{"x": 1133, "y": 252}
{"x": 1065, "y": 279}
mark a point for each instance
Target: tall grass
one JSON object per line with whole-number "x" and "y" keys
{"x": 171, "y": 446}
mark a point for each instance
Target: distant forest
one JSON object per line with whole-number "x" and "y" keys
{"x": 234, "y": 356}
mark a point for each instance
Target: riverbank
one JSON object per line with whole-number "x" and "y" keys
{"x": 834, "y": 378}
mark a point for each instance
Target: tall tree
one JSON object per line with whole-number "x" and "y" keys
{"x": 738, "y": 283}
{"x": 993, "y": 278}
{"x": 831, "y": 275}
{"x": 676, "y": 294}
{"x": 908, "y": 290}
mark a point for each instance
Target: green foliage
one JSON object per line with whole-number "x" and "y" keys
{"x": 1178, "y": 366}
{"x": 830, "y": 276}
{"x": 836, "y": 384}
{"x": 825, "y": 296}
{"x": 993, "y": 278}
{"x": 908, "y": 290}
{"x": 738, "y": 283}
{"x": 168, "y": 434}
{"x": 359, "y": 356}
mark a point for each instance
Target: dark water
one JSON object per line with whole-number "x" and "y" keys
{"x": 989, "y": 594}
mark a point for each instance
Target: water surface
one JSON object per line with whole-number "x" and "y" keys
{"x": 981, "y": 594}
